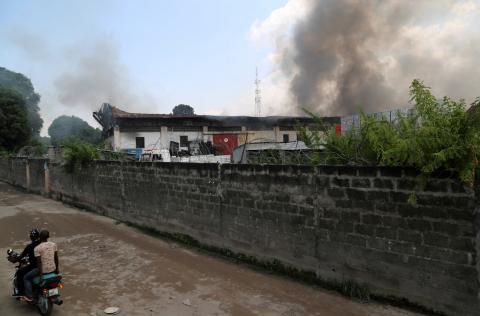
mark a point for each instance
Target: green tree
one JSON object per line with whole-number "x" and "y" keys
{"x": 183, "y": 110}
{"x": 14, "y": 131}
{"x": 66, "y": 127}
{"x": 23, "y": 85}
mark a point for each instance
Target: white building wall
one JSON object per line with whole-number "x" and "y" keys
{"x": 127, "y": 139}
{"x": 116, "y": 138}
{"x": 165, "y": 143}
{"x": 175, "y": 137}
{"x": 161, "y": 140}
{"x": 157, "y": 139}
{"x": 292, "y": 136}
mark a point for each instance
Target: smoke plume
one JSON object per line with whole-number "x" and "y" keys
{"x": 98, "y": 76}
{"x": 342, "y": 55}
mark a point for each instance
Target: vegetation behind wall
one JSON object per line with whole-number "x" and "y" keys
{"x": 436, "y": 135}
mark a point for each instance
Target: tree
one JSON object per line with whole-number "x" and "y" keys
{"x": 14, "y": 131}
{"x": 65, "y": 127}
{"x": 183, "y": 110}
{"x": 23, "y": 85}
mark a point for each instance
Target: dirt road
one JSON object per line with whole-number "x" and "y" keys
{"x": 107, "y": 264}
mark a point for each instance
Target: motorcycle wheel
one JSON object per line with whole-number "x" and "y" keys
{"x": 15, "y": 288}
{"x": 44, "y": 305}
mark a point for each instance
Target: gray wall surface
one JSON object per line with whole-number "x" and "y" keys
{"x": 341, "y": 223}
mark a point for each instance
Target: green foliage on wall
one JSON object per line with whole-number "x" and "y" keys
{"x": 77, "y": 154}
{"x": 436, "y": 135}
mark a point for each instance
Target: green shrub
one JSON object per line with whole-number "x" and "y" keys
{"x": 437, "y": 135}
{"x": 5, "y": 154}
{"x": 77, "y": 154}
{"x": 34, "y": 148}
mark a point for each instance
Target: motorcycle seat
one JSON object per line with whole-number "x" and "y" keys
{"x": 47, "y": 278}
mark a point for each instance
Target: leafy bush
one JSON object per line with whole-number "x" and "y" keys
{"x": 437, "y": 135}
{"x": 77, "y": 154}
{"x": 35, "y": 148}
{"x": 5, "y": 154}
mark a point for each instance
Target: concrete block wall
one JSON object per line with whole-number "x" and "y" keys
{"x": 5, "y": 170}
{"x": 341, "y": 223}
{"x": 18, "y": 172}
{"x": 36, "y": 169}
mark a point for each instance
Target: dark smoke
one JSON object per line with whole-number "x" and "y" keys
{"x": 351, "y": 54}
{"x": 337, "y": 70}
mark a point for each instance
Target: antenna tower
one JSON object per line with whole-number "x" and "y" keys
{"x": 258, "y": 95}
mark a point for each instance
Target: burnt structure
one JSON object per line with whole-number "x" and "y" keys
{"x": 143, "y": 131}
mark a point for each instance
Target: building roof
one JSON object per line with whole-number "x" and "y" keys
{"x": 110, "y": 116}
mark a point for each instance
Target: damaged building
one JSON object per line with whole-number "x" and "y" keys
{"x": 195, "y": 134}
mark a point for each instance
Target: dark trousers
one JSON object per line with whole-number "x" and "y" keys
{"x": 20, "y": 275}
{"x": 28, "y": 281}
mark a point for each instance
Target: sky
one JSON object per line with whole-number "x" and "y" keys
{"x": 331, "y": 57}
{"x": 158, "y": 53}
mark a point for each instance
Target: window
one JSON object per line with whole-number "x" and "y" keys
{"x": 140, "y": 142}
{"x": 183, "y": 141}
{"x": 285, "y": 138}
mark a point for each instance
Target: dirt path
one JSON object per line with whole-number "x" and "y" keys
{"x": 105, "y": 264}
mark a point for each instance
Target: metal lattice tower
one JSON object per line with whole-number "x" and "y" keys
{"x": 258, "y": 95}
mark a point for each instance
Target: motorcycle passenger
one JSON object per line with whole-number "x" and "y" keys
{"x": 28, "y": 253}
{"x": 47, "y": 262}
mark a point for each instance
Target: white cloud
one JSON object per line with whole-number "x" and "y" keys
{"x": 466, "y": 8}
{"x": 280, "y": 21}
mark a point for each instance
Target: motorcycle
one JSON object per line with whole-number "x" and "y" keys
{"x": 46, "y": 289}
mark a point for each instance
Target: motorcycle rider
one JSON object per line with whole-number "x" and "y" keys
{"x": 47, "y": 262}
{"x": 28, "y": 253}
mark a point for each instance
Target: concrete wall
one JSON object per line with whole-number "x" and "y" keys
{"x": 340, "y": 223}
{"x": 37, "y": 175}
{"x": 5, "y": 170}
{"x": 18, "y": 169}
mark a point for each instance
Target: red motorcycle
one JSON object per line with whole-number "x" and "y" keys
{"x": 46, "y": 289}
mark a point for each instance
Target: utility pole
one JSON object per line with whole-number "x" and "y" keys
{"x": 258, "y": 95}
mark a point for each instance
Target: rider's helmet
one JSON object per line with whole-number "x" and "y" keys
{"x": 34, "y": 234}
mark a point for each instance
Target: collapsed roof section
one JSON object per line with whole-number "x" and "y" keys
{"x": 110, "y": 116}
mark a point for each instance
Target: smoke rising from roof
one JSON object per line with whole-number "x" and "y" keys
{"x": 335, "y": 62}
{"x": 342, "y": 55}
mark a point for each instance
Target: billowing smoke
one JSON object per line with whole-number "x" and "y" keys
{"x": 334, "y": 56}
{"x": 97, "y": 75}
{"x": 342, "y": 55}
